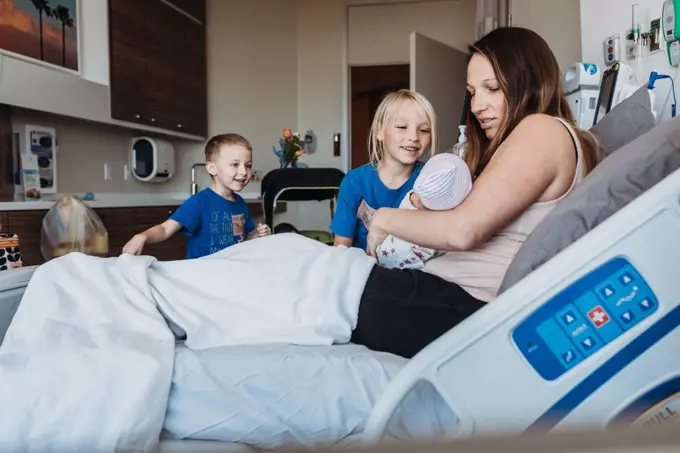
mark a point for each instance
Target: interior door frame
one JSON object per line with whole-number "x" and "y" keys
{"x": 345, "y": 138}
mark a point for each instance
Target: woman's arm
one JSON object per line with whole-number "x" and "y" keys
{"x": 536, "y": 162}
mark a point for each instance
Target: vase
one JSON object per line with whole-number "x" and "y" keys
{"x": 291, "y": 163}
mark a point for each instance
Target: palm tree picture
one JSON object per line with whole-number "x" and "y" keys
{"x": 63, "y": 15}
{"x": 45, "y": 30}
{"x": 43, "y": 8}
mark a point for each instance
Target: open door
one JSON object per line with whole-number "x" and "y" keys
{"x": 439, "y": 73}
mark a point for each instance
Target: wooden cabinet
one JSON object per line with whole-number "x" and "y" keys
{"x": 158, "y": 65}
{"x": 120, "y": 223}
{"x": 170, "y": 250}
{"x": 193, "y": 8}
{"x": 6, "y": 158}
{"x": 28, "y": 225}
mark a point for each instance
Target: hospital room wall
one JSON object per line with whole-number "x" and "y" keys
{"x": 603, "y": 18}
{"x": 271, "y": 64}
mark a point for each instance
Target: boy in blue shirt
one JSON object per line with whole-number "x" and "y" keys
{"x": 216, "y": 217}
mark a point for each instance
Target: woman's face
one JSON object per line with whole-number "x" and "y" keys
{"x": 487, "y": 100}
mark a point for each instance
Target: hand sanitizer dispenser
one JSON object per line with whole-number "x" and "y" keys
{"x": 151, "y": 159}
{"x": 460, "y": 147}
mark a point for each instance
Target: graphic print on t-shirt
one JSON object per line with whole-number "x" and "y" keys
{"x": 225, "y": 229}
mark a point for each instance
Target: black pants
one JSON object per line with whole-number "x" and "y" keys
{"x": 402, "y": 311}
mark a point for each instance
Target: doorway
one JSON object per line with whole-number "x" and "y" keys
{"x": 368, "y": 86}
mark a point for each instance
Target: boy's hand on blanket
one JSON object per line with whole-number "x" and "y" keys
{"x": 135, "y": 245}
{"x": 263, "y": 230}
{"x": 260, "y": 231}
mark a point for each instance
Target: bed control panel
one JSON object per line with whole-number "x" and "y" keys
{"x": 585, "y": 317}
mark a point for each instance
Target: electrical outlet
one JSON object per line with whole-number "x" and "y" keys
{"x": 107, "y": 171}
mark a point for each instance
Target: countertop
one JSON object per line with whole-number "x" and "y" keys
{"x": 114, "y": 200}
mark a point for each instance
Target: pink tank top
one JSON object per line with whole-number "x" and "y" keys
{"x": 480, "y": 272}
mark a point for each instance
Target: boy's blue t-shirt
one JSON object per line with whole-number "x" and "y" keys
{"x": 212, "y": 223}
{"x": 361, "y": 193}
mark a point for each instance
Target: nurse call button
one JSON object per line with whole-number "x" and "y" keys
{"x": 598, "y": 316}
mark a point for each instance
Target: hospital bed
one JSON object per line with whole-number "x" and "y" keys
{"x": 583, "y": 335}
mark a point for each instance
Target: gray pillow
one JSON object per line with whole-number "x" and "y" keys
{"x": 615, "y": 182}
{"x": 625, "y": 122}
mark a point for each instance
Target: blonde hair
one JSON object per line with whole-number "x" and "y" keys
{"x": 214, "y": 146}
{"x": 386, "y": 113}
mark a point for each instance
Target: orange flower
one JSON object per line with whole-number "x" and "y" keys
{"x": 287, "y": 133}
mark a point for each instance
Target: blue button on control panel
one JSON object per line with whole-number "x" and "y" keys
{"x": 584, "y": 318}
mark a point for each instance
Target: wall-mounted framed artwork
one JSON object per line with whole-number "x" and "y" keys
{"x": 42, "y": 30}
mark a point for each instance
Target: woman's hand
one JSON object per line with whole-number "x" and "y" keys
{"x": 376, "y": 233}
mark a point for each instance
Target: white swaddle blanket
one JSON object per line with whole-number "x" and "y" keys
{"x": 443, "y": 183}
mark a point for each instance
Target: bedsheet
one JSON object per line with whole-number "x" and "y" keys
{"x": 273, "y": 395}
{"x": 87, "y": 362}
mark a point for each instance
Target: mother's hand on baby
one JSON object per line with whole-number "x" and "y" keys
{"x": 416, "y": 201}
{"x": 376, "y": 234}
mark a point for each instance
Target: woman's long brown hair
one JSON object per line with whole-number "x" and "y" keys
{"x": 530, "y": 78}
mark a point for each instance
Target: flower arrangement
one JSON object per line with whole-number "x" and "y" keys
{"x": 291, "y": 148}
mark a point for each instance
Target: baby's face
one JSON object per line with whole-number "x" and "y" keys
{"x": 417, "y": 202}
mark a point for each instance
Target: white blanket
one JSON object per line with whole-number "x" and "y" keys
{"x": 87, "y": 363}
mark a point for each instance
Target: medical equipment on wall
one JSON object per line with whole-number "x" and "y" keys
{"x": 653, "y": 77}
{"x": 591, "y": 352}
{"x": 152, "y": 159}
{"x": 40, "y": 143}
{"x": 615, "y": 87}
{"x": 612, "y": 49}
{"x": 582, "y": 85}
{"x": 671, "y": 30}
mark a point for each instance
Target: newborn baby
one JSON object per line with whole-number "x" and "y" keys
{"x": 443, "y": 184}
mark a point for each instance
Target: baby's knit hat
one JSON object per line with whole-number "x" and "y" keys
{"x": 444, "y": 182}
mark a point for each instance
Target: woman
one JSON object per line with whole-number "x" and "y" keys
{"x": 525, "y": 155}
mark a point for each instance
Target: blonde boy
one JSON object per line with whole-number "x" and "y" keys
{"x": 216, "y": 217}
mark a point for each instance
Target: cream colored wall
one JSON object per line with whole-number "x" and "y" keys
{"x": 558, "y": 22}
{"x": 264, "y": 74}
{"x": 84, "y": 147}
{"x": 252, "y": 89}
{"x": 379, "y": 34}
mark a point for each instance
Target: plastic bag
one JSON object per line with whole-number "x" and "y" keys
{"x": 72, "y": 226}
